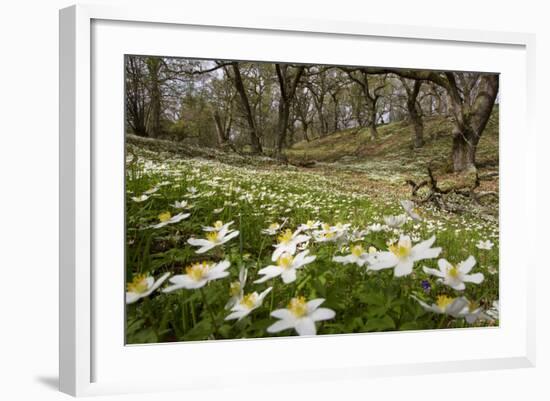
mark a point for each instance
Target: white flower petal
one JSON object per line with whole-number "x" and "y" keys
{"x": 198, "y": 242}
{"x": 132, "y": 297}
{"x": 263, "y": 295}
{"x": 283, "y": 314}
{"x": 456, "y": 307}
{"x": 322, "y": 314}
{"x": 269, "y": 272}
{"x": 288, "y": 275}
{"x": 314, "y": 304}
{"x": 425, "y": 244}
{"x": 156, "y": 284}
{"x": 467, "y": 265}
{"x": 429, "y": 253}
{"x": 237, "y": 315}
{"x": 280, "y": 326}
{"x": 306, "y": 327}
{"x": 403, "y": 268}
{"x": 444, "y": 265}
{"x": 433, "y": 272}
{"x": 383, "y": 260}
{"x": 475, "y": 278}
{"x": 456, "y": 285}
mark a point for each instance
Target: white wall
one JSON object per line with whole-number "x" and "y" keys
{"x": 28, "y": 199}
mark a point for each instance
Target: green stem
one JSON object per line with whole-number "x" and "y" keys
{"x": 193, "y": 318}
{"x": 272, "y": 297}
{"x": 241, "y": 236}
{"x": 183, "y": 313}
{"x": 260, "y": 252}
{"x": 441, "y": 322}
{"x": 207, "y": 305}
{"x": 149, "y": 312}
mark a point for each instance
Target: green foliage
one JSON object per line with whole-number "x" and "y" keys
{"x": 255, "y": 196}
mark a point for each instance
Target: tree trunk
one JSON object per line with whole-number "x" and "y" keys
{"x": 282, "y": 125}
{"x": 253, "y": 132}
{"x": 418, "y": 130}
{"x": 415, "y": 112}
{"x": 373, "y": 131}
{"x": 464, "y": 151}
{"x": 336, "y": 110}
{"x": 153, "y": 66}
{"x": 470, "y": 121}
{"x": 287, "y": 86}
{"x": 305, "y": 127}
{"x": 470, "y": 115}
{"x": 220, "y": 129}
{"x": 371, "y": 124}
{"x": 136, "y": 87}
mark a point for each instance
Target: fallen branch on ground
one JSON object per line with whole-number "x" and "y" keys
{"x": 442, "y": 197}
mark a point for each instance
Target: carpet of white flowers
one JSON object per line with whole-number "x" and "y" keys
{"x": 218, "y": 251}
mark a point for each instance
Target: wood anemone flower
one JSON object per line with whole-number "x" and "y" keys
{"x": 213, "y": 239}
{"x": 455, "y": 276}
{"x": 198, "y": 275}
{"x": 358, "y": 255}
{"x": 410, "y": 209}
{"x": 287, "y": 243}
{"x": 300, "y": 316}
{"x": 401, "y": 256}
{"x": 395, "y": 221}
{"x": 446, "y": 305}
{"x": 166, "y": 218}
{"x": 286, "y": 267}
{"x": 247, "y": 304}
{"x": 142, "y": 286}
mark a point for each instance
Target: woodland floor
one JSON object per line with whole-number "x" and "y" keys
{"x": 353, "y": 180}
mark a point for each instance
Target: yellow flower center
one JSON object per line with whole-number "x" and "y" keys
{"x": 285, "y": 237}
{"x": 212, "y": 236}
{"x": 329, "y": 235}
{"x": 249, "y": 300}
{"x": 298, "y": 306}
{"x": 357, "y": 250}
{"x": 372, "y": 249}
{"x": 234, "y": 288}
{"x": 138, "y": 284}
{"x": 453, "y": 272}
{"x": 218, "y": 225}
{"x": 165, "y": 216}
{"x": 285, "y": 260}
{"x": 401, "y": 250}
{"x": 326, "y": 227}
{"x": 443, "y": 301}
{"x": 197, "y": 270}
{"x": 310, "y": 223}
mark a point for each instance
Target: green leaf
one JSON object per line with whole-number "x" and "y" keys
{"x": 409, "y": 326}
{"x": 380, "y": 324}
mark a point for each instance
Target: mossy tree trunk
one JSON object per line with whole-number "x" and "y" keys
{"x": 154, "y": 66}
{"x": 415, "y": 112}
{"x": 371, "y": 95}
{"x": 253, "y": 131}
{"x": 288, "y": 83}
{"x": 471, "y": 96}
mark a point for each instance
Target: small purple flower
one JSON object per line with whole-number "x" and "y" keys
{"x": 426, "y": 286}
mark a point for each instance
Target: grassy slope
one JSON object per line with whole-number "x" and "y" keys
{"x": 353, "y": 146}
{"x": 385, "y": 163}
{"x": 356, "y": 181}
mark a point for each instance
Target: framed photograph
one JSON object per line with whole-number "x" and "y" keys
{"x": 290, "y": 199}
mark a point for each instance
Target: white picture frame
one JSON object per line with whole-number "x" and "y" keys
{"x": 89, "y": 366}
